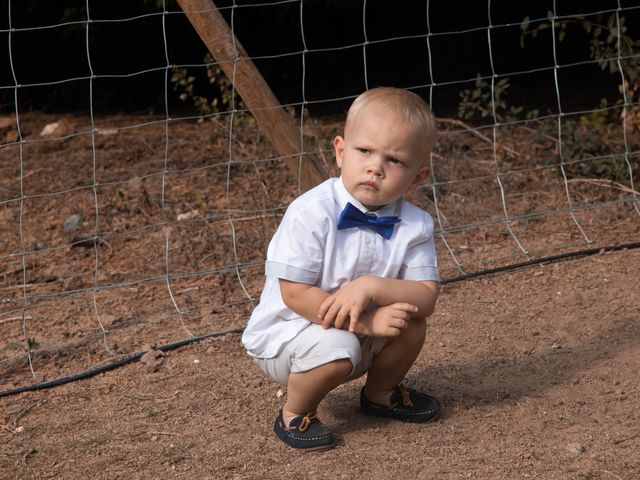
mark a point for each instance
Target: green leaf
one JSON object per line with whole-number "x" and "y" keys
{"x": 525, "y": 23}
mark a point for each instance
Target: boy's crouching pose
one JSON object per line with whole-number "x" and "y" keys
{"x": 352, "y": 275}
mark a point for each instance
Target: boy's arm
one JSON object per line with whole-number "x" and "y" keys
{"x": 386, "y": 321}
{"x": 303, "y": 298}
{"x": 347, "y": 302}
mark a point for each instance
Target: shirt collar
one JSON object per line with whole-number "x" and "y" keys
{"x": 343, "y": 196}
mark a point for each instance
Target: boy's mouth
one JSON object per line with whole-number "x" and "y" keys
{"x": 370, "y": 185}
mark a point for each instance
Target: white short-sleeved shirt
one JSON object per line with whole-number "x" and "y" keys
{"x": 309, "y": 248}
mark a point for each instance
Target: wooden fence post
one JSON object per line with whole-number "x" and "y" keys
{"x": 272, "y": 118}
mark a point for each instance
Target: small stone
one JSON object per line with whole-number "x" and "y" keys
{"x": 51, "y": 129}
{"x": 576, "y": 448}
{"x": 72, "y": 222}
{"x": 19, "y": 429}
{"x": 279, "y": 393}
{"x": 556, "y": 346}
{"x": 196, "y": 362}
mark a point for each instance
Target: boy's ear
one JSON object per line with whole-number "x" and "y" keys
{"x": 421, "y": 176}
{"x": 338, "y": 145}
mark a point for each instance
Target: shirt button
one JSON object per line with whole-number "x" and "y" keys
{"x": 367, "y": 240}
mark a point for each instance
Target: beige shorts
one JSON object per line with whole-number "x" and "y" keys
{"x": 315, "y": 346}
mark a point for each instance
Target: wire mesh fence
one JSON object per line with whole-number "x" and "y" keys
{"x": 122, "y": 231}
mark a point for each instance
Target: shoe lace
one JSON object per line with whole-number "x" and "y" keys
{"x": 306, "y": 421}
{"x": 406, "y": 396}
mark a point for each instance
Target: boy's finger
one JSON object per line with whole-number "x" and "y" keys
{"x": 406, "y": 307}
{"x": 353, "y": 319}
{"x": 331, "y": 314}
{"x": 324, "y": 306}
{"x": 339, "y": 321}
{"x": 329, "y": 318}
{"x": 398, "y": 322}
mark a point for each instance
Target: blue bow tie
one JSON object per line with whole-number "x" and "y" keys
{"x": 352, "y": 217}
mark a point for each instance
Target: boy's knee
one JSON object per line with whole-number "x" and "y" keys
{"x": 348, "y": 344}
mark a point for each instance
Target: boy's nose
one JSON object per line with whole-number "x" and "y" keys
{"x": 374, "y": 167}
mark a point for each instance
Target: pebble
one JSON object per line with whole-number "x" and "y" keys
{"x": 576, "y": 448}
{"x": 51, "y": 129}
{"x": 72, "y": 222}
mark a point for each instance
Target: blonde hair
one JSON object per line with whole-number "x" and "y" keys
{"x": 407, "y": 105}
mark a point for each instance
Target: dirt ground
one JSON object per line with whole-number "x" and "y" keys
{"x": 538, "y": 369}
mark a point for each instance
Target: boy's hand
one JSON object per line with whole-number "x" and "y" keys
{"x": 348, "y": 302}
{"x": 388, "y": 320}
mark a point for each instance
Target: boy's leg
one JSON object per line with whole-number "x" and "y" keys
{"x": 383, "y": 394}
{"x": 393, "y": 362}
{"x": 305, "y": 390}
{"x": 311, "y": 365}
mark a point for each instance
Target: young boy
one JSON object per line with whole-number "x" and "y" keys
{"x": 352, "y": 275}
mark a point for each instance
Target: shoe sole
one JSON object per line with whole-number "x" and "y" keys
{"x": 315, "y": 449}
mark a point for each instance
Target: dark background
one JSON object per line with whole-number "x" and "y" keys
{"x": 52, "y": 65}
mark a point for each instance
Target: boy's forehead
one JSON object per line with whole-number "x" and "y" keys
{"x": 372, "y": 117}
{"x": 377, "y": 110}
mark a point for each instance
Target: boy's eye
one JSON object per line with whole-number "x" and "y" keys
{"x": 394, "y": 161}
{"x": 364, "y": 151}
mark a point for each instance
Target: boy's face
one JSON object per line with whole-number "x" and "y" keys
{"x": 380, "y": 157}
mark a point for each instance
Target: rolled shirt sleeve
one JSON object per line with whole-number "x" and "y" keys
{"x": 420, "y": 261}
{"x": 296, "y": 251}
